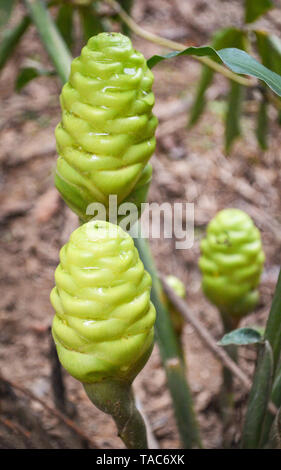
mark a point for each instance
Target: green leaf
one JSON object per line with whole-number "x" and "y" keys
{"x": 64, "y": 23}
{"x": 51, "y": 37}
{"x": 256, "y": 8}
{"x": 241, "y": 337}
{"x": 258, "y": 399}
{"x": 227, "y": 37}
{"x": 269, "y": 48}
{"x": 10, "y": 40}
{"x": 273, "y": 330}
{"x": 6, "y": 8}
{"x": 237, "y": 60}
{"x": 275, "y": 435}
{"x": 91, "y": 23}
{"x": 233, "y": 115}
{"x": 276, "y": 399}
{"x": 29, "y": 73}
{"x": 262, "y": 124}
{"x": 200, "y": 102}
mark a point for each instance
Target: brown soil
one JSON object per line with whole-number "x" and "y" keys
{"x": 189, "y": 166}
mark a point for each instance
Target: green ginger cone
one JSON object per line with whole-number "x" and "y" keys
{"x": 231, "y": 263}
{"x": 106, "y": 136}
{"x": 103, "y": 327}
{"x": 104, "y": 323}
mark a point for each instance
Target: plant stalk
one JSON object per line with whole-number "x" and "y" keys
{"x": 177, "y": 46}
{"x": 11, "y": 38}
{"x": 273, "y": 337}
{"x": 50, "y": 37}
{"x": 171, "y": 356}
{"x": 227, "y": 392}
{"x": 167, "y": 341}
{"x": 116, "y": 399}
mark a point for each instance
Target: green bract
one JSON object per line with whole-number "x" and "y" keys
{"x": 231, "y": 262}
{"x": 106, "y": 135}
{"x": 103, "y": 327}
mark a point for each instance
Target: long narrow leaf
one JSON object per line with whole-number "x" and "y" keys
{"x": 10, "y": 40}
{"x": 276, "y": 399}
{"x": 255, "y": 8}
{"x": 275, "y": 434}
{"x": 169, "y": 349}
{"x": 64, "y": 23}
{"x": 273, "y": 330}
{"x": 233, "y": 115}
{"x": 6, "y": 8}
{"x": 262, "y": 124}
{"x": 258, "y": 399}
{"x": 28, "y": 74}
{"x": 127, "y": 6}
{"x": 50, "y": 37}
{"x": 241, "y": 336}
{"x": 227, "y": 37}
{"x": 91, "y": 23}
{"x": 237, "y": 60}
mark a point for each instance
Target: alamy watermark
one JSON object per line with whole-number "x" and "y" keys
{"x": 157, "y": 220}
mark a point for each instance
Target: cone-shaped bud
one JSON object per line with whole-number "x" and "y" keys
{"x": 231, "y": 262}
{"x": 106, "y": 135}
{"x": 103, "y": 327}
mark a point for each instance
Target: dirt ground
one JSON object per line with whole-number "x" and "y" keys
{"x": 189, "y": 166}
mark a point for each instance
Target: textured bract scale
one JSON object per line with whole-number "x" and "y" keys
{"x": 103, "y": 327}
{"x": 231, "y": 262}
{"x": 106, "y": 135}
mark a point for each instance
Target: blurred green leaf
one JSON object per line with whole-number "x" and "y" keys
{"x": 29, "y": 73}
{"x": 276, "y": 399}
{"x": 127, "y": 6}
{"x": 6, "y": 8}
{"x": 199, "y": 103}
{"x": 273, "y": 330}
{"x": 233, "y": 115}
{"x": 11, "y": 38}
{"x": 256, "y": 8}
{"x": 238, "y": 61}
{"x": 51, "y": 37}
{"x": 262, "y": 124}
{"x": 228, "y": 37}
{"x": 241, "y": 337}
{"x": 275, "y": 435}
{"x": 269, "y": 48}
{"x": 64, "y": 23}
{"x": 258, "y": 399}
{"x": 91, "y": 23}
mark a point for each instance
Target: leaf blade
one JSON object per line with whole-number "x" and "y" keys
{"x": 237, "y": 60}
{"x": 233, "y": 115}
{"x": 226, "y": 37}
{"x": 241, "y": 337}
{"x": 51, "y": 37}
{"x": 6, "y": 9}
{"x": 10, "y": 40}
{"x": 254, "y": 9}
{"x": 64, "y": 23}
{"x": 258, "y": 399}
